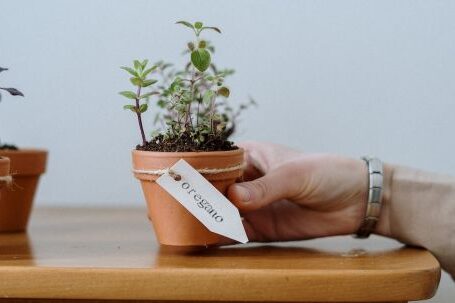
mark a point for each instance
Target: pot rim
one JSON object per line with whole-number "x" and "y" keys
{"x": 146, "y": 160}
{"x": 26, "y": 150}
{"x": 157, "y": 154}
{"x": 26, "y": 161}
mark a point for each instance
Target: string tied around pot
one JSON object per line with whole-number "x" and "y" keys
{"x": 6, "y": 179}
{"x": 203, "y": 171}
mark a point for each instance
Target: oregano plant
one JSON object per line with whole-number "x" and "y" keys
{"x": 13, "y": 92}
{"x": 192, "y": 107}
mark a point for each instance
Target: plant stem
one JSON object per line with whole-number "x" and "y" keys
{"x": 197, "y": 114}
{"x": 212, "y": 112}
{"x": 192, "y": 82}
{"x": 139, "y": 116}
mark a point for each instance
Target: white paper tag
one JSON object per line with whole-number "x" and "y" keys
{"x": 204, "y": 201}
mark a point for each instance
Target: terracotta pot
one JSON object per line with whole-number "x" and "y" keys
{"x": 172, "y": 223}
{"x": 16, "y": 200}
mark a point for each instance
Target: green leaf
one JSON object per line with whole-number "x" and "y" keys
{"x": 143, "y": 108}
{"x": 175, "y": 85}
{"x": 224, "y": 91}
{"x": 148, "y": 95}
{"x": 144, "y": 63}
{"x": 198, "y": 25}
{"x": 148, "y": 71}
{"x": 208, "y": 97}
{"x": 130, "y": 107}
{"x": 147, "y": 83}
{"x": 136, "y": 81}
{"x": 216, "y": 29}
{"x": 128, "y": 94}
{"x": 161, "y": 103}
{"x": 137, "y": 64}
{"x": 200, "y": 59}
{"x": 130, "y": 70}
{"x": 185, "y": 23}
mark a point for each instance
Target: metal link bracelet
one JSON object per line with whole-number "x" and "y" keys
{"x": 375, "y": 184}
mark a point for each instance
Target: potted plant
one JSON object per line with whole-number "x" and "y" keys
{"x": 26, "y": 167}
{"x": 195, "y": 122}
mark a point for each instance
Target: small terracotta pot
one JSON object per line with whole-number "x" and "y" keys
{"x": 172, "y": 223}
{"x": 17, "y": 199}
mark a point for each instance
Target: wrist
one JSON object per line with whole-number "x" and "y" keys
{"x": 383, "y": 225}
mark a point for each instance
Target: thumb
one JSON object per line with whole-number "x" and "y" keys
{"x": 258, "y": 193}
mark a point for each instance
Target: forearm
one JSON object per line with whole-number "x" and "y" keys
{"x": 419, "y": 209}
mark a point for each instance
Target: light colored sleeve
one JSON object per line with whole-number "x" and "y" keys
{"x": 422, "y": 212}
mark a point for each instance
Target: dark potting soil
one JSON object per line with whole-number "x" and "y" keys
{"x": 186, "y": 144}
{"x": 8, "y": 147}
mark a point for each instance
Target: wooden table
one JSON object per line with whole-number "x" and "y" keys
{"x": 105, "y": 254}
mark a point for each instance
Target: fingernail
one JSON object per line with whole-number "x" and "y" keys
{"x": 244, "y": 193}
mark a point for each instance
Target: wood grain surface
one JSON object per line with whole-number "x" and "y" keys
{"x": 111, "y": 254}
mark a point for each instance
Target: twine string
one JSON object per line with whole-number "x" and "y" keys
{"x": 6, "y": 179}
{"x": 205, "y": 171}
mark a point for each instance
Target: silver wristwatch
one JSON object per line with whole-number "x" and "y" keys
{"x": 375, "y": 185}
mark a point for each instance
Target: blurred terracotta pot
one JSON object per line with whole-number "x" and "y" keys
{"x": 16, "y": 200}
{"x": 172, "y": 223}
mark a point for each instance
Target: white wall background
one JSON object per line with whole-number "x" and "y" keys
{"x": 351, "y": 77}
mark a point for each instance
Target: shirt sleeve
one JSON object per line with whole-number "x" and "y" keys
{"x": 422, "y": 213}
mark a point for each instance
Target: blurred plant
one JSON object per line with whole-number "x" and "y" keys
{"x": 12, "y": 92}
{"x": 192, "y": 104}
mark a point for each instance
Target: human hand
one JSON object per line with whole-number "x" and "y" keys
{"x": 289, "y": 195}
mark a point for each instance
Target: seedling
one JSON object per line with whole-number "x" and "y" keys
{"x": 192, "y": 104}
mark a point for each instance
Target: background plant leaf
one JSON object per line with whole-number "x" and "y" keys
{"x": 13, "y": 91}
